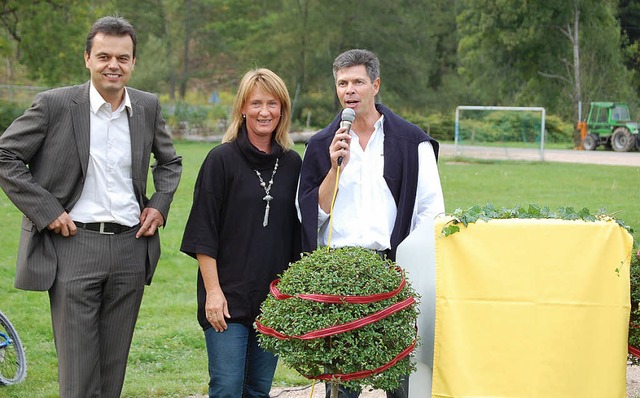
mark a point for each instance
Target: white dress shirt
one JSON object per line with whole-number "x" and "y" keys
{"x": 107, "y": 195}
{"x": 365, "y": 211}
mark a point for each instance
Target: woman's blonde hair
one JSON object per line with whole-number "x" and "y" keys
{"x": 270, "y": 83}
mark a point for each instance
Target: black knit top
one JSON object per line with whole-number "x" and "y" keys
{"x": 226, "y": 223}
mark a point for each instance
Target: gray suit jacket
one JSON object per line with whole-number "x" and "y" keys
{"x": 43, "y": 162}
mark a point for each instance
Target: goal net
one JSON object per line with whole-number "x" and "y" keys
{"x": 506, "y": 130}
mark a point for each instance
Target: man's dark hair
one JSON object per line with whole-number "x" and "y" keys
{"x": 111, "y": 26}
{"x": 357, "y": 57}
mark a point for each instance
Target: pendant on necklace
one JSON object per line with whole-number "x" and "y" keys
{"x": 267, "y": 198}
{"x": 265, "y": 222}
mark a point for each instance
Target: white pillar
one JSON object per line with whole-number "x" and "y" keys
{"x": 417, "y": 255}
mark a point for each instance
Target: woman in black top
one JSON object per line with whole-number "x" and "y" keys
{"x": 244, "y": 231}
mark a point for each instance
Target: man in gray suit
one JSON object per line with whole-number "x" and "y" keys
{"x": 76, "y": 165}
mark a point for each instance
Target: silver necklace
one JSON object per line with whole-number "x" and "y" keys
{"x": 267, "y": 197}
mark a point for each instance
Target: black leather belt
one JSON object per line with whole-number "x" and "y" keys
{"x": 105, "y": 228}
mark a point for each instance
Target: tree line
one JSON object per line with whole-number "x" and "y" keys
{"x": 435, "y": 54}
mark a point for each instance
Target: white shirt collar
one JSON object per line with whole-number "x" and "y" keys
{"x": 379, "y": 123}
{"x": 96, "y": 101}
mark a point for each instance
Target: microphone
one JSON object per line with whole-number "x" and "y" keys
{"x": 348, "y": 116}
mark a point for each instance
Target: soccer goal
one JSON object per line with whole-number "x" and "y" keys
{"x": 508, "y": 129}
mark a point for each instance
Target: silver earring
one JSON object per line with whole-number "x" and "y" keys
{"x": 244, "y": 116}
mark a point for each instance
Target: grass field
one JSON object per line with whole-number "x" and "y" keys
{"x": 168, "y": 355}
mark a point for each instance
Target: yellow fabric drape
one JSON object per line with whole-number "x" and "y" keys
{"x": 532, "y": 308}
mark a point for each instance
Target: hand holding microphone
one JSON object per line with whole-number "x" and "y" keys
{"x": 348, "y": 116}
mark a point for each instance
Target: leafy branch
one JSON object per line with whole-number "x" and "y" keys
{"x": 533, "y": 211}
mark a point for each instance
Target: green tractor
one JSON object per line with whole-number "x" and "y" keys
{"x": 609, "y": 124}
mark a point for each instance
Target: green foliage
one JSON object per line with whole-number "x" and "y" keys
{"x": 346, "y": 271}
{"x": 317, "y": 108}
{"x": 514, "y": 126}
{"x": 533, "y": 211}
{"x": 557, "y": 130}
{"x": 8, "y": 112}
{"x": 194, "y": 114}
{"x": 52, "y": 37}
{"x": 521, "y": 54}
{"x": 152, "y": 68}
{"x": 209, "y": 118}
{"x": 505, "y": 126}
{"x": 434, "y": 54}
{"x": 438, "y": 125}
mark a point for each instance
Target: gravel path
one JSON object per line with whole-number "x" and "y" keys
{"x": 549, "y": 155}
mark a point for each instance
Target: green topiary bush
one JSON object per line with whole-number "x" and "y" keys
{"x": 349, "y": 272}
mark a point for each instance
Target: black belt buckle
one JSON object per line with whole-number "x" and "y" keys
{"x": 104, "y": 228}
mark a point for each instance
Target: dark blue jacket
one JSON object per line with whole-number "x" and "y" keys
{"x": 401, "y": 140}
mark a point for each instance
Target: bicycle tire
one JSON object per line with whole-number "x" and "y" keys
{"x": 13, "y": 362}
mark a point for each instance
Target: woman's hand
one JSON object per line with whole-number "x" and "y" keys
{"x": 216, "y": 310}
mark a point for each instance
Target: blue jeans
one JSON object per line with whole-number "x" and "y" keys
{"x": 238, "y": 367}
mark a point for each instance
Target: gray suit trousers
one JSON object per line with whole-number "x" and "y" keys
{"x": 95, "y": 300}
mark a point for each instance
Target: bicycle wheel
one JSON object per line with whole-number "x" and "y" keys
{"x": 13, "y": 363}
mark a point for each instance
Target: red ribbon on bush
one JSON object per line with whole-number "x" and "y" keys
{"x": 345, "y": 327}
{"x": 634, "y": 351}
{"x": 364, "y": 373}
{"x": 334, "y": 299}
